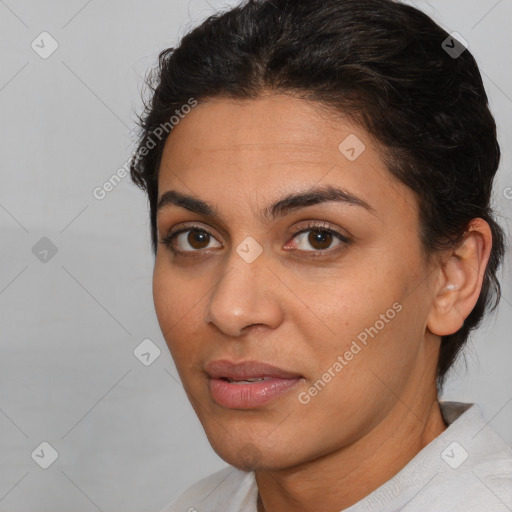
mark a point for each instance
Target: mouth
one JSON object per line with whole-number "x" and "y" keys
{"x": 248, "y": 384}
{"x": 245, "y": 381}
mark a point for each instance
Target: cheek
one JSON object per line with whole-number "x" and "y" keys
{"x": 162, "y": 298}
{"x": 361, "y": 363}
{"x": 178, "y": 310}
{"x": 351, "y": 300}
{"x": 176, "y": 301}
{"x": 367, "y": 320}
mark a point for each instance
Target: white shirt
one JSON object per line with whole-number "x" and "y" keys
{"x": 467, "y": 468}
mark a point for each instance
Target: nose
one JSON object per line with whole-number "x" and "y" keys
{"x": 245, "y": 295}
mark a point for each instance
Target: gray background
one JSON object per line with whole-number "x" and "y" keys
{"x": 127, "y": 438}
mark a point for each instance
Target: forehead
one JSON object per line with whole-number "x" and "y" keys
{"x": 269, "y": 127}
{"x": 271, "y": 146}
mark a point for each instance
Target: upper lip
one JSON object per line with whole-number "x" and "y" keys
{"x": 246, "y": 370}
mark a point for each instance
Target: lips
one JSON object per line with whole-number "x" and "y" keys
{"x": 248, "y": 384}
{"x": 246, "y": 371}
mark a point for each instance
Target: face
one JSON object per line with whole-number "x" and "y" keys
{"x": 332, "y": 289}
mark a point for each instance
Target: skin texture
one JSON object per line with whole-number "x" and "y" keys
{"x": 300, "y": 313}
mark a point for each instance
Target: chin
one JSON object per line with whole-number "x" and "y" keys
{"x": 252, "y": 456}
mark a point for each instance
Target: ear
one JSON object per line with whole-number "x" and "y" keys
{"x": 460, "y": 280}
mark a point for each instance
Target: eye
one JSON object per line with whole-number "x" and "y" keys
{"x": 195, "y": 237}
{"x": 191, "y": 240}
{"x": 319, "y": 237}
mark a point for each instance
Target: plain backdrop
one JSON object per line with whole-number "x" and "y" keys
{"x": 75, "y": 271}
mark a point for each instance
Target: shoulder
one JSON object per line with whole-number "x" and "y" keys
{"x": 476, "y": 469}
{"x": 229, "y": 488}
{"x": 467, "y": 468}
{"x": 489, "y": 477}
{"x": 474, "y": 489}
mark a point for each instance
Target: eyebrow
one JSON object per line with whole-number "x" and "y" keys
{"x": 289, "y": 203}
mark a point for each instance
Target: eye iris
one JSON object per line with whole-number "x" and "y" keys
{"x": 324, "y": 238}
{"x": 195, "y": 238}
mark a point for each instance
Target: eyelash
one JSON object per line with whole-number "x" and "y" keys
{"x": 318, "y": 226}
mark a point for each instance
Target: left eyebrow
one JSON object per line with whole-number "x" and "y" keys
{"x": 285, "y": 205}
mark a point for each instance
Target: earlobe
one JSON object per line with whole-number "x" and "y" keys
{"x": 461, "y": 280}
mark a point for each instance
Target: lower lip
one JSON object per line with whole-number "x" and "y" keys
{"x": 249, "y": 395}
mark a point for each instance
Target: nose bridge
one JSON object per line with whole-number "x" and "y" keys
{"x": 243, "y": 294}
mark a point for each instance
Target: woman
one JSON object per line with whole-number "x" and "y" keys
{"x": 324, "y": 246}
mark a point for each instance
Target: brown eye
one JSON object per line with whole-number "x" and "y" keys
{"x": 320, "y": 239}
{"x": 189, "y": 240}
{"x": 197, "y": 239}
